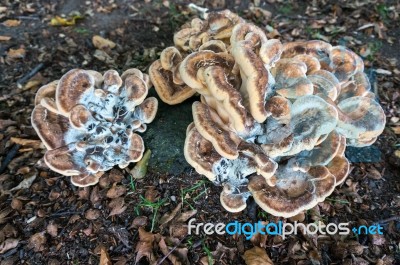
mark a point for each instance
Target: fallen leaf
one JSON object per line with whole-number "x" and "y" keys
{"x": 116, "y": 191}
{"x": 139, "y": 221}
{"x": 144, "y": 247}
{"x": 397, "y": 153}
{"x": 140, "y": 169}
{"x": 27, "y": 142}
{"x": 383, "y": 71}
{"x": 37, "y": 242}
{"x": 117, "y": 206}
{"x": 396, "y": 129}
{"x": 52, "y": 229}
{"x": 259, "y": 239}
{"x": 104, "y": 257}
{"x": 92, "y": 214}
{"x": 5, "y": 38}
{"x": 102, "y": 43}
{"x": 183, "y": 217}
{"x": 59, "y": 21}
{"x": 27, "y": 182}
{"x": 103, "y": 56}
{"x": 16, "y": 53}
{"x": 373, "y": 173}
{"x": 166, "y": 218}
{"x": 5, "y": 123}
{"x": 3, "y": 9}
{"x": 11, "y": 23}
{"x": 177, "y": 257}
{"x": 151, "y": 194}
{"x": 4, "y": 213}
{"x": 298, "y": 217}
{"x": 256, "y": 256}
{"x": 8, "y": 244}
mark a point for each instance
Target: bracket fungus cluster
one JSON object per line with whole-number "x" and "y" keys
{"x": 88, "y": 121}
{"x": 274, "y": 119}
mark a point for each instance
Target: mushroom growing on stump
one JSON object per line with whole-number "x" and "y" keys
{"x": 88, "y": 122}
{"x": 273, "y": 119}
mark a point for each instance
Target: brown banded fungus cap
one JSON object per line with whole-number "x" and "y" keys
{"x": 91, "y": 126}
{"x": 211, "y": 34}
{"x": 273, "y": 119}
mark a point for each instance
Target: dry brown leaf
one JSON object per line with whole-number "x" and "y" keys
{"x": 177, "y": 257}
{"x": 104, "y": 257}
{"x": 11, "y": 23}
{"x": 102, "y": 43}
{"x": 117, "y": 206}
{"x": 144, "y": 247}
{"x": 258, "y": 239}
{"x": 115, "y": 192}
{"x": 5, "y": 38}
{"x": 139, "y": 221}
{"x": 37, "y": 241}
{"x": 166, "y": 218}
{"x": 257, "y": 256}
{"x": 52, "y": 229}
{"x": 183, "y": 217}
{"x": 151, "y": 194}
{"x": 92, "y": 214}
{"x": 396, "y": 129}
{"x": 5, "y": 123}
{"x": 8, "y": 244}
{"x": 4, "y": 213}
{"x": 27, "y": 181}
{"x": 27, "y": 142}
{"x": 373, "y": 173}
{"x": 16, "y": 53}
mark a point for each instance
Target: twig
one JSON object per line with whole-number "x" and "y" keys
{"x": 10, "y": 155}
{"x": 387, "y": 220}
{"x": 169, "y": 253}
{"x": 29, "y": 75}
{"x": 28, "y": 18}
{"x": 64, "y": 213}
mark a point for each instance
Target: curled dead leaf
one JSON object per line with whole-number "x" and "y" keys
{"x": 16, "y": 53}
{"x": 139, "y": 221}
{"x": 11, "y": 23}
{"x": 5, "y": 38}
{"x": 166, "y": 218}
{"x": 27, "y": 181}
{"x": 92, "y": 214}
{"x": 59, "y": 21}
{"x": 104, "y": 257}
{"x": 144, "y": 247}
{"x": 37, "y": 241}
{"x": 116, "y": 191}
{"x": 102, "y": 43}
{"x": 257, "y": 256}
{"x": 8, "y": 244}
{"x": 117, "y": 206}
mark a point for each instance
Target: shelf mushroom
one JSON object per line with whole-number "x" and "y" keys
{"x": 273, "y": 119}
{"x": 88, "y": 122}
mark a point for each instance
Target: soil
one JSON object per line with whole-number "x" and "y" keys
{"x": 54, "y": 222}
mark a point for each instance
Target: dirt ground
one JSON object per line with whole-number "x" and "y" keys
{"x": 49, "y": 221}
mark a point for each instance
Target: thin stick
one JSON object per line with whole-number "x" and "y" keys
{"x": 29, "y": 75}
{"x": 169, "y": 253}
